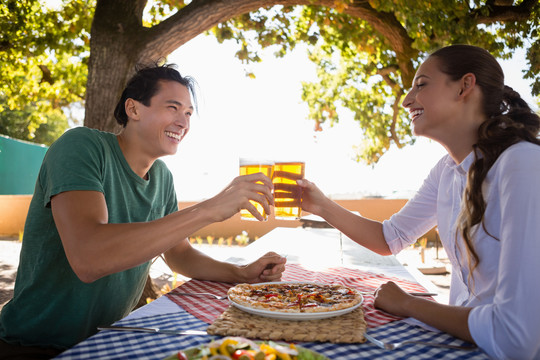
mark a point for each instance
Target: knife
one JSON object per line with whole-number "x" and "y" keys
{"x": 154, "y": 330}
{"x": 422, "y": 294}
{"x": 410, "y": 293}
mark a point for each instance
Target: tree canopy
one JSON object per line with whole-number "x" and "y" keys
{"x": 43, "y": 66}
{"x": 366, "y": 50}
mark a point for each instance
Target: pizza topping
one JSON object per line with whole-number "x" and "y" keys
{"x": 295, "y": 297}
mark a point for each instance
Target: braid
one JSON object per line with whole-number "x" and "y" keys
{"x": 513, "y": 123}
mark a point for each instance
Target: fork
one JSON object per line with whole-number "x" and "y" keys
{"x": 397, "y": 345}
{"x": 217, "y": 297}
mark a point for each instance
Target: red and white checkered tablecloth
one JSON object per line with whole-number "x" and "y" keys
{"x": 207, "y": 309}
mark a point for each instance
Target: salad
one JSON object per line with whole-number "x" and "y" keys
{"x": 239, "y": 348}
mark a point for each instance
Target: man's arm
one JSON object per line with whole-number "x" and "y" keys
{"x": 190, "y": 262}
{"x": 95, "y": 248}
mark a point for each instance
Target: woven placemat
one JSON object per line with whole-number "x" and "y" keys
{"x": 348, "y": 328}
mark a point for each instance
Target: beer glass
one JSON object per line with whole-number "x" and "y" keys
{"x": 253, "y": 166}
{"x": 287, "y": 194}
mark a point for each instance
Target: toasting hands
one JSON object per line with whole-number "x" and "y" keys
{"x": 237, "y": 195}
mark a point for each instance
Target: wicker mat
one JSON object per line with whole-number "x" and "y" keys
{"x": 348, "y": 328}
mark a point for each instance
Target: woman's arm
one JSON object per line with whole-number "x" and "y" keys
{"x": 450, "y": 319}
{"x": 365, "y": 232}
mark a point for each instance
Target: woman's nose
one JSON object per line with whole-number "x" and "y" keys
{"x": 408, "y": 100}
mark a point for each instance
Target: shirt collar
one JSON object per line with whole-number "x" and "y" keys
{"x": 462, "y": 167}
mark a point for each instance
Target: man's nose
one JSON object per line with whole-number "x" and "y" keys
{"x": 182, "y": 120}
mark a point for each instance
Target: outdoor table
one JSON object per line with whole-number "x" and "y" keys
{"x": 319, "y": 255}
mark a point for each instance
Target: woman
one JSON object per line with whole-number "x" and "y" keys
{"x": 483, "y": 196}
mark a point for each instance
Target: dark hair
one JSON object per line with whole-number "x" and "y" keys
{"x": 145, "y": 84}
{"x": 509, "y": 121}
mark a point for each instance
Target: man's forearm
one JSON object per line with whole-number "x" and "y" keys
{"x": 190, "y": 262}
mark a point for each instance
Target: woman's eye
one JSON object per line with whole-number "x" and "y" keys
{"x": 172, "y": 107}
{"x": 419, "y": 85}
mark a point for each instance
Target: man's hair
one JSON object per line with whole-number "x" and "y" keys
{"x": 145, "y": 84}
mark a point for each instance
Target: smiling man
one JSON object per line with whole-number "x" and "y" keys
{"x": 104, "y": 206}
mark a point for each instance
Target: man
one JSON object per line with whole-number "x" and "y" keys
{"x": 103, "y": 207}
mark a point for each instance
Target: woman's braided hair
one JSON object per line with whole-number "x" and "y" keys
{"x": 509, "y": 121}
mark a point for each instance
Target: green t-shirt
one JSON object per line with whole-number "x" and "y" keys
{"x": 51, "y": 307}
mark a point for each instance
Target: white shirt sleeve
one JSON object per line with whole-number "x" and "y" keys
{"x": 418, "y": 216}
{"x": 509, "y": 326}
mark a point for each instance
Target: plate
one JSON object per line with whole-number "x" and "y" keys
{"x": 295, "y": 316}
{"x": 303, "y": 353}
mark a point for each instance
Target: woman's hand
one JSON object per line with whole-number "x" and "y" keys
{"x": 237, "y": 195}
{"x": 268, "y": 267}
{"x": 313, "y": 199}
{"x": 392, "y": 299}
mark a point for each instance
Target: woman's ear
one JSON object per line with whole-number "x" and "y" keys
{"x": 131, "y": 109}
{"x": 468, "y": 82}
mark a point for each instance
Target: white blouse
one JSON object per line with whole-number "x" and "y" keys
{"x": 505, "y": 290}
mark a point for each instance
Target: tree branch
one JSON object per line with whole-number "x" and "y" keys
{"x": 200, "y": 16}
{"x": 396, "y": 106}
{"x": 503, "y": 11}
{"x": 47, "y": 76}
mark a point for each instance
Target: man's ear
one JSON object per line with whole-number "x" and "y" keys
{"x": 468, "y": 82}
{"x": 132, "y": 110}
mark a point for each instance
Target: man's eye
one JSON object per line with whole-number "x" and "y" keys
{"x": 173, "y": 107}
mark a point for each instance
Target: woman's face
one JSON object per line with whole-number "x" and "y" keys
{"x": 432, "y": 102}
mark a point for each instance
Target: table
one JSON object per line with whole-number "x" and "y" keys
{"x": 330, "y": 250}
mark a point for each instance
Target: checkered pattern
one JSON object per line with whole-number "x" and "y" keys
{"x": 208, "y": 309}
{"x": 204, "y": 308}
{"x": 109, "y": 345}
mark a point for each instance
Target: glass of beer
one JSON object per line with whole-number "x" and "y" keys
{"x": 287, "y": 194}
{"x": 253, "y": 166}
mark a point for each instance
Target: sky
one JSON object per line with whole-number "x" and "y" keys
{"x": 265, "y": 117}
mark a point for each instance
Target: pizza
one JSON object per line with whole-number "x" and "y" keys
{"x": 295, "y": 297}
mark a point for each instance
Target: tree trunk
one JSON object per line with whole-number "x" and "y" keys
{"x": 113, "y": 55}
{"x": 114, "y": 50}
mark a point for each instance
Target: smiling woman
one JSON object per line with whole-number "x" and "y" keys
{"x": 488, "y": 178}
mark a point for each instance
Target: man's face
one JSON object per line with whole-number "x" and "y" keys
{"x": 165, "y": 122}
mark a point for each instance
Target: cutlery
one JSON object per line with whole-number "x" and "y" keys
{"x": 397, "y": 345}
{"x": 154, "y": 330}
{"x": 202, "y": 294}
{"x": 411, "y": 293}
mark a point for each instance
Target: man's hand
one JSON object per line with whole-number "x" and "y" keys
{"x": 236, "y": 196}
{"x": 269, "y": 267}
